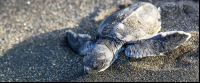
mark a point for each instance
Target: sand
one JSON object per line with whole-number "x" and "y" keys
{"x": 33, "y": 47}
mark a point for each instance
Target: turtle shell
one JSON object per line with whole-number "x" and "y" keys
{"x": 132, "y": 23}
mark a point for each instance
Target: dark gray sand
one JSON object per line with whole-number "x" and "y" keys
{"x": 33, "y": 47}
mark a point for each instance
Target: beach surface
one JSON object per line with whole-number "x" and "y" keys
{"x": 33, "y": 46}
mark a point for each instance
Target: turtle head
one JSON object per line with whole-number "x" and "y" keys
{"x": 97, "y": 59}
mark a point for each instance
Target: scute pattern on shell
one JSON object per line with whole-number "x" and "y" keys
{"x": 111, "y": 22}
{"x": 132, "y": 23}
{"x": 137, "y": 26}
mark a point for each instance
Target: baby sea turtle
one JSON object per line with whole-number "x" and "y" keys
{"x": 133, "y": 30}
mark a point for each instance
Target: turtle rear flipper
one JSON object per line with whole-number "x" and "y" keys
{"x": 79, "y": 43}
{"x": 156, "y": 44}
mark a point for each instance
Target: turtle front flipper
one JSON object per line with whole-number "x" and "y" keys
{"x": 79, "y": 43}
{"x": 156, "y": 44}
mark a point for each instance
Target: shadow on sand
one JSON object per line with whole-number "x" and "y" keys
{"x": 46, "y": 57}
